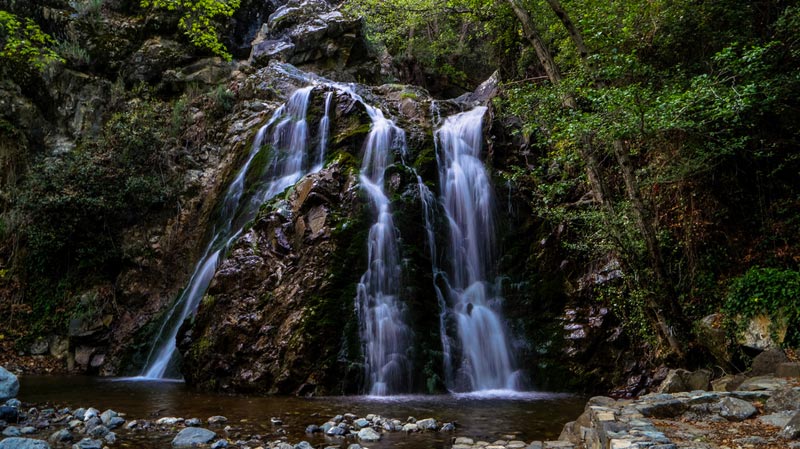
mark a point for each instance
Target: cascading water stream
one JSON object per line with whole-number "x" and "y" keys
{"x": 289, "y": 148}
{"x": 468, "y": 201}
{"x": 385, "y": 335}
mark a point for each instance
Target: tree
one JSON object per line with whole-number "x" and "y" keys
{"x": 25, "y": 45}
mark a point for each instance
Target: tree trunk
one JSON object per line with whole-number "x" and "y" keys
{"x": 576, "y": 36}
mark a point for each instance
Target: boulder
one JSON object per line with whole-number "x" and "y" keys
{"x": 192, "y": 436}
{"x": 767, "y": 362}
{"x": 712, "y": 335}
{"x": 728, "y": 383}
{"x": 792, "y": 430}
{"x": 23, "y": 443}
{"x": 368, "y": 434}
{"x": 759, "y": 333}
{"x": 789, "y": 369}
{"x": 60, "y": 436}
{"x": 9, "y": 385}
{"x": 153, "y": 58}
{"x": 734, "y": 409}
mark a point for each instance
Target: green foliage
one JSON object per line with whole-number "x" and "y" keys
{"x": 767, "y": 291}
{"x": 25, "y": 45}
{"x": 197, "y": 20}
{"x": 73, "y": 52}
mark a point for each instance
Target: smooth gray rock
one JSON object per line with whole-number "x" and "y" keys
{"x": 27, "y": 430}
{"x": 368, "y": 434}
{"x": 193, "y": 422}
{"x": 110, "y": 438}
{"x": 9, "y": 385}
{"x": 107, "y": 415}
{"x": 217, "y": 419}
{"x": 60, "y": 436}
{"x": 11, "y": 431}
{"x": 220, "y": 444}
{"x": 88, "y": 443}
{"x": 336, "y": 431}
{"x": 734, "y": 409}
{"x": 313, "y": 428}
{"x": 98, "y": 431}
{"x": 767, "y": 362}
{"x": 361, "y": 423}
{"x": 303, "y": 445}
{"x": 191, "y": 436}
{"x": 115, "y": 422}
{"x": 16, "y": 403}
{"x": 784, "y": 399}
{"x": 779, "y": 419}
{"x": 427, "y": 424}
{"x": 792, "y": 430}
{"x": 23, "y": 443}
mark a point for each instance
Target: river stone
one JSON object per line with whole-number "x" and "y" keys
{"x": 27, "y": 430}
{"x": 336, "y": 431}
{"x": 783, "y": 399}
{"x": 361, "y": 423}
{"x": 220, "y": 444}
{"x": 79, "y": 413}
{"x": 88, "y": 443}
{"x": 193, "y": 422}
{"x": 448, "y": 427}
{"x": 9, "y": 414}
{"x": 23, "y": 443}
{"x": 116, "y": 422}
{"x": 9, "y": 384}
{"x": 217, "y": 419}
{"x": 410, "y": 427}
{"x": 98, "y": 431}
{"x": 465, "y": 441}
{"x": 313, "y": 428}
{"x": 734, "y": 409}
{"x": 792, "y": 429}
{"x": 60, "y": 436}
{"x": 303, "y": 445}
{"x": 107, "y": 415}
{"x": 169, "y": 421}
{"x": 16, "y": 403}
{"x": 191, "y": 436}
{"x": 427, "y": 424}
{"x": 354, "y": 446}
{"x": 368, "y": 434}
{"x": 11, "y": 431}
{"x": 110, "y": 437}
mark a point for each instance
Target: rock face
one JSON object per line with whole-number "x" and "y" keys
{"x": 312, "y": 35}
{"x": 9, "y": 385}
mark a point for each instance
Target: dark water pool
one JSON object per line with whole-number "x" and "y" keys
{"x": 488, "y": 416}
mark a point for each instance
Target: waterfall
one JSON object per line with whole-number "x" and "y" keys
{"x": 324, "y": 132}
{"x": 385, "y": 335}
{"x": 287, "y": 164}
{"x": 468, "y": 202}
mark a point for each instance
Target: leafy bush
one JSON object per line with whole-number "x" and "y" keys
{"x": 197, "y": 18}
{"x": 767, "y": 291}
{"x": 25, "y": 45}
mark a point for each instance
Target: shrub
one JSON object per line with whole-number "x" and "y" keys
{"x": 767, "y": 291}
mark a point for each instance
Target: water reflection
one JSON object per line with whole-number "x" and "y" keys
{"x": 487, "y": 415}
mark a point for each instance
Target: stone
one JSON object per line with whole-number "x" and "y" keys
{"x": 712, "y": 335}
{"x": 13, "y": 403}
{"x": 193, "y": 422}
{"x": 11, "y": 431}
{"x": 763, "y": 383}
{"x": 779, "y": 419}
{"x": 59, "y": 347}
{"x": 464, "y": 440}
{"x": 666, "y": 408}
{"x": 107, "y": 415}
{"x": 220, "y": 444}
{"x": 558, "y": 445}
{"x": 168, "y": 421}
{"x": 336, "y": 431}
{"x": 789, "y": 369}
{"x": 27, "y": 430}
{"x": 313, "y": 428}
{"x": 698, "y": 380}
{"x": 734, "y": 409}
{"x": 783, "y": 399}
{"x": 23, "y": 443}
{"x": 448, "y": 427}
{"x": 410, "y": 427}
{"x": 91, "y": 413}
{"x": 98, "y": 431}
{"x": 673, "y": 383}
{"x": 110, "y": 438}
{"x": 116, "y": 422}
{"x": 354, "y": 446}
{"x": 74, "y": 423}
{"x": 217, "y": 419}
{"x": 535, "y": 445}
{"x": 516, "y": 444}
{"x": 9, "y": 414}
{"x": 427, "y": 424}
{"x": 759, "y": 332}
{"x": 368, "y": 434}
{"x": 191, "y": 436}
{"x": 9, "y": 385}
{"x": 728, "y": 383}
{"x": 88, "y": 443}
{"x": 39, "y": 347}
{"x": 767, "y": 362}
{"x": 60, "y": 436}
{"x": 304, "y": 445}
{"x": 360, "y": 423}
{"x": 792, "y": 429}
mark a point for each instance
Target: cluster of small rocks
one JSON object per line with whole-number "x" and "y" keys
{"x": 469, "y": 443}
{"x": 641, "y": 423}
{"x": 371, "y": 427}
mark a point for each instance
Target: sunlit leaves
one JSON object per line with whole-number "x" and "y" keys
{"x": 25, "y": 43}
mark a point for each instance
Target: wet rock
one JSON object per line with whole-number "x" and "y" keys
{"x": 23, "y": 443}
{"x": 11, "y": 431}
{"x": 169, "y": 421}
{"x": 9, "y": 385}
{"x": 9, "y": 414}
{"x": 360, "y": 423}
{"x": 303, "y": 445}
{"x": 191, "y": 436}
{"x": 13, "y": 403}
{"x": 91, "y": 413}
{"x": 313, "y": 428}
{"x": 336, "y": 431}
{"x": 88, "y": 443}
{"x": 60, "y": 436}
{"x": 220, "y": 444}
{"x": 217, "y": 420}
{"x": 792, "y": 429}
{"x": 368, "y": 435}
{"x": 448, "y": 427}
{"x": 27, "y": 430}
{"x": 110, "y": 438}
{"x": 427, "y": 424}
{"x": 410, "y": 427}
{"x": 98, "y": 431}
{"x": 107, "y": 415}
{"x": 193, "y": 422}
{"x": 115, "y": 422}
{"x": 734, "y": 409}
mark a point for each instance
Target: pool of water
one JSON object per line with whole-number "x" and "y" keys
{"x": 489, "y": 415}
